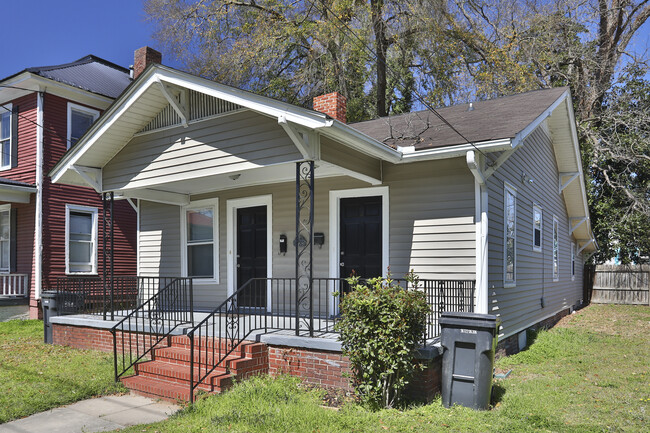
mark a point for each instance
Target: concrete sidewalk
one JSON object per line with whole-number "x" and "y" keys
{"x": 94, "y": 415}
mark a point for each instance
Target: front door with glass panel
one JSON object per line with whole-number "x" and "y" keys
{"x": 251, "y": 255}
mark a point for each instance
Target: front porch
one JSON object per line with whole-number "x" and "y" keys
{"x": 211, "y": 346}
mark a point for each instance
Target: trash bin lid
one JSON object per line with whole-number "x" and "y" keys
{"x": 469, "y": 320}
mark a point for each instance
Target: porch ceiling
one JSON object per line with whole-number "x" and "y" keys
{"x": 180, "y": 192}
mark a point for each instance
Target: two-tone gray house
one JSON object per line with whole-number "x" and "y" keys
{"x": 269, "y": 205}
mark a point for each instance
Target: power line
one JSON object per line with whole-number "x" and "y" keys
{"x": 68, "y": 141}
{"x": 396, "y": 76}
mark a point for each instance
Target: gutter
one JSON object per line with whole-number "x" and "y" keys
{"x": 38, "y": 223}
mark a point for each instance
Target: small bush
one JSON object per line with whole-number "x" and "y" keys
{"x": 381, "y": 329}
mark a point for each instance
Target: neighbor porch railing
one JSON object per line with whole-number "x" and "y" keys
{"x": 89, "y": 294}
{"x": 14, "y": 285}
{"x": 264, "y": 304}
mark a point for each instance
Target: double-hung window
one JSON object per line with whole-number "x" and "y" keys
{"x": 556, "y": 249}
{"x": 200, "y": 239}
{"x": 573, "y": 261}
{"x": 81, "y": 240}
{"x": 537, "y": 228}
{"x": 5, "y": 137}
{"x": 510, "y": 235}
{"x": 5, "y": 238}
{"x": 79, "y": 120}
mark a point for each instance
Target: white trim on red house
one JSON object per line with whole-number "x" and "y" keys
{"x": 38, "y": 223}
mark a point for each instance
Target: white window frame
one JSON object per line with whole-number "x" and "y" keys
{"x": 7, "y": 208}
{"x": 95, "y": 221}
{"x": 507, "y": 188}
{"x": 197, "y": 205}
{"x": 573, "y": 261}
{"x": 9, "y": 108}
{"x": 538, "y": 208}
{"x": 555, "y": 258}
{"x": 231, "y": 239}
{"x": 81, "y": 108}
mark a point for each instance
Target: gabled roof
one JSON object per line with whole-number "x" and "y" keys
{"x": 495, "y": 119}
{"x": 90, "y": 73}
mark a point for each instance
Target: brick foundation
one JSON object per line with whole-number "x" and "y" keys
{"x": 312, "y": 366}
{"x": 510, "y": 345}
{"x": 82, "y": 337}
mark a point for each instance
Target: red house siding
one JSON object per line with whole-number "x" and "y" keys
{"x": 24, "y": 260}
{"x": 25, "y": 171}
{"x": 55, "y": 198}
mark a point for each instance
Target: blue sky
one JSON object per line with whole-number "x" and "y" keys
{"x": 51, "y": 32}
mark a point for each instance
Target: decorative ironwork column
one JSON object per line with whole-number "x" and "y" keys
{"x": 107, "y": 248}
{"x": 304, "y": 246}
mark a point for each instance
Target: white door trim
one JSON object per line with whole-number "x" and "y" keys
{"x": 231, "y": 238}
{"x": 334, "y": 229}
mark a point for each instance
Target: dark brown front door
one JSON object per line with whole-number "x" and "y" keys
{"x": 361, "y": 238}
{"x": 251, "y": 255}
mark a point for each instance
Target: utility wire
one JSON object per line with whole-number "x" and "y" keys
{"x": 30, "y": 120}
{"x": 396, "y": 76}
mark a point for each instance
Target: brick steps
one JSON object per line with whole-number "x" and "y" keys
{"x": 167, "y": 375}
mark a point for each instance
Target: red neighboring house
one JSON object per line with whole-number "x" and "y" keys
{"x": 48, "y": 230}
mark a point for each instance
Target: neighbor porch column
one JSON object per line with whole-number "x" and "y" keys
{"x": 107, "y": 249}
{"x": 304, "y": 245}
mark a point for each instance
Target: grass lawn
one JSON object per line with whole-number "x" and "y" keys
{"x": 591, "y": 373}
{"x": 35, "y": 376}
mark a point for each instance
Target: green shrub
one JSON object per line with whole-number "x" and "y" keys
{"x": 381, "y": 328}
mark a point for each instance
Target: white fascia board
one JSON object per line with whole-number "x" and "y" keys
{"x": 18, "y": 188}
{"x": 576, "y": 149}
{"x": 458, "y": 150}
{"x": 345, "y": 134}
{"x": 301, "y": 116}
{"x": 521, "y": 135}
{"x": 101, "y": 126}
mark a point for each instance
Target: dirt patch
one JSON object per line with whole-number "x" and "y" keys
{"x": 333, "y": 397}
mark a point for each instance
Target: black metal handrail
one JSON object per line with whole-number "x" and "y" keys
{"x": 152, "y": 321}
{"x": 270, "y": 304}
{"x": 222, "y": 330}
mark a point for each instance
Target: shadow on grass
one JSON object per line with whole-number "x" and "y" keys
{"x": 498, "y": 392}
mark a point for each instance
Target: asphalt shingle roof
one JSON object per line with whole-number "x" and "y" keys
{"x": 89, "y": 73}
{"x": 489, "y": 120}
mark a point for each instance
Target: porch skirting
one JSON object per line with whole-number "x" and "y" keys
{"x": 314, "y": 365}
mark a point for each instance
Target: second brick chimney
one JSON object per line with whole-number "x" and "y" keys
{"x": 333, "y": 104}
{"x": 142, "y": 58}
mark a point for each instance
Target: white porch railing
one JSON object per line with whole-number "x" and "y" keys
{"x": 14, "y": 285}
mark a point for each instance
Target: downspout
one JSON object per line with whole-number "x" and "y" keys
{"x": 476, "y": 166}
{"x": 38, "y": 232}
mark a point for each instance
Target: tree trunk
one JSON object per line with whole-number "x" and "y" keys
{"x": 381, "y": 46}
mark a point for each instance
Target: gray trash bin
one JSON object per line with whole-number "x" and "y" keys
{"x": 49, "y": 304}
{"x": 468, "y": 341}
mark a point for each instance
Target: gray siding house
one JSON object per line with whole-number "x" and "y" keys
{"x": 213, "y": 173}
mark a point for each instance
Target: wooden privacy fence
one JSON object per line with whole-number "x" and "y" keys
{"x": 619, "y": 284}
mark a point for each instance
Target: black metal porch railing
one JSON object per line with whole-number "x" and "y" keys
{"x": 264, "y": 304}
{"x": 151, "y": 322}
{"x": 89, "y": 295}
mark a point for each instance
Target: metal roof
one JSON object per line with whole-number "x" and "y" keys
{"x": 493, "y": 119}
{"x": 89, "y": 73}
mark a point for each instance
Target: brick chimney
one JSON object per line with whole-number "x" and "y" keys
{"x": 333, "y": 104}
{"x": 142, "y": 58}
